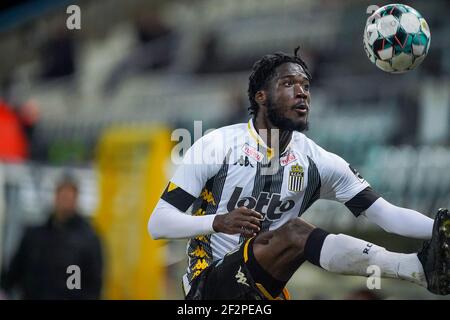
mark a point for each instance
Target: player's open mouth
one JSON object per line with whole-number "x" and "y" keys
{"x": 301, "y": 109}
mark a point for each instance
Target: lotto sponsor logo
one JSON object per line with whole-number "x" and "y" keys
{"x": 268, "y": 204}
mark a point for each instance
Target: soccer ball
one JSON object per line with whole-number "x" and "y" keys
{"x": 396, "y": 38}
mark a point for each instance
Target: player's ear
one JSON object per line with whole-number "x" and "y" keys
{"x": 261, "y": 97}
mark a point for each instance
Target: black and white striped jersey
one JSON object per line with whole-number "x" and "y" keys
{"x": 231, "y": 167}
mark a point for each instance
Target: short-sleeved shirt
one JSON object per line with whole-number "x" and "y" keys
{"x": 232, "y": 167}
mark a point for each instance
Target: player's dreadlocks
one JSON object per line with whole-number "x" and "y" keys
{"x": 264, "y": 70}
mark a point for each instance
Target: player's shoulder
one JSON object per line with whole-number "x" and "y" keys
{"x": 307, "y": 146}
{"x": 233, "y": 130}
{"x": 216, "y": 144}
{"x": 226, "y": 134}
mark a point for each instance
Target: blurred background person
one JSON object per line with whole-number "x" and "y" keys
{"x": 39, "y": 268}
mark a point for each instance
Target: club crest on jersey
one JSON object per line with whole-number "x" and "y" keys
{"x": 296, "y": 175}
{"x": 252, "y": 152}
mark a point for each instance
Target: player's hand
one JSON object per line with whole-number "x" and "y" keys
{"x": 241, "y": 220}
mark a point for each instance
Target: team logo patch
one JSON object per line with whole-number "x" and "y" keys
{"x": 241, "y": 278}
{"x": 243, "y": 162}
{"x": 296, "y": 175}
{"x": 252, "y": 152}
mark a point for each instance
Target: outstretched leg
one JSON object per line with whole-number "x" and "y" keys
{"x": 275, "y": 255}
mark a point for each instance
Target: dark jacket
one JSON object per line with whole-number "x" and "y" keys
{"x": 39, "y": 269}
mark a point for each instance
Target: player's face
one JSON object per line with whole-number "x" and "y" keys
{"x": 289, "y": 98}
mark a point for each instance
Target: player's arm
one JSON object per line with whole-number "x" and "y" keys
{"x": 347, "y": 186}
{"x": 398, "y": 220}
{"x": 168, "y": 222}
{"x": 169, "y": 219}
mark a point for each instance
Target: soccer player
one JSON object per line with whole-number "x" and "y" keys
{"x": 245, "y": 187}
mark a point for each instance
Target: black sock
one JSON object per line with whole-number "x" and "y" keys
{"x": 261, "y": 276}
{"x": 314, "y": 244}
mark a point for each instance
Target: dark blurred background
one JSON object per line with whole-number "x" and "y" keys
{"x": 97, "y": 102}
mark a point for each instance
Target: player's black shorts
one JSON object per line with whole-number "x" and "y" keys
{"x": 229, "y": 278}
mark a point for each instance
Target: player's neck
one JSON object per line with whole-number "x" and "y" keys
{"x": 263, "y": 123}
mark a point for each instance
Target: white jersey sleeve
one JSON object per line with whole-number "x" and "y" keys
{"x": 200, "y": 163}
{"x": 340, "y": 182}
